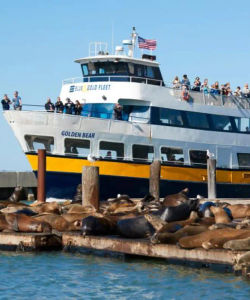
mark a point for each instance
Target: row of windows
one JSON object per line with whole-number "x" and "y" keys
{"x": 169, "y": 117}
{"x": 120, "y": 68}
{"x": 172, "y": 117}
{"x": 111, "y": 150}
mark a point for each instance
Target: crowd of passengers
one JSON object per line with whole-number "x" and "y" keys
{"x": 76, "y": 108}
{"x": 214, "y": 89}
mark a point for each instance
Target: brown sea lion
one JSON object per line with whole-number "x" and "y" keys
{"x": 49, "y": 207}
{"x": 59, "y": 223}
{"x": 240, "y": 210}
{"x": 213, "y": 238}
{"x": 241, "y": 244}
{"x": 221, "y": 217}
{"x": 17, "y": 195}
{"x": 79, "y": 209}
{"x": 24, "y": 223}
{"x": 173, "y": 238}
{"x": 176, "y": 199}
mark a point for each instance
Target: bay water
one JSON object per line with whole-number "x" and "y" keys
{"x": 60, "y": 275}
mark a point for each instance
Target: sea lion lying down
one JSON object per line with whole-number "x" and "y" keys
{"x": 213, "y": 238}
{"x": 22, "y": 223}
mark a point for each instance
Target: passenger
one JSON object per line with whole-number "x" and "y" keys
{"x": 215, "y": 88}
{"x": 17, "y": 101}
{"x": 59, "y": 105}
{"x": 237, "y": 92}
{"x": 223, "y": 89}
{"x": 49, "y": 106}
{"x": 228, "y": 89}
{"x": 6, "y": 102}
{"x": 176, "y": 83}
{"x": 185, "y": 93}
{"x": 245, "y": 91}
{"x": 118, "y": 112}
{"x": 69, "y": 106}
{"x": 197, "y": 85}
{"x": 78, "y": 108}
{"x": 205, "y": 87}
{"x": 108, "y": 155}
{"x": 185, "y": 82}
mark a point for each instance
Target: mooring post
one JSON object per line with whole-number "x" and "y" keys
{"x": 154, "y": 180}
{"x": 211, "y": 178}
{"x": 41, "y": 173}
{"x": 90, "y": 186}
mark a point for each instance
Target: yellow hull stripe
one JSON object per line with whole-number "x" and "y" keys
{"x": 130, "y": 169}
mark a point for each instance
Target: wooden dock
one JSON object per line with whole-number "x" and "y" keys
{"x": 18, "y": 241}
{"x": 142, "y": 247}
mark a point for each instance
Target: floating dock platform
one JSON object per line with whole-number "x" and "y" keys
{"x": 20, "y": 241}
{"x": 225, "y": 259}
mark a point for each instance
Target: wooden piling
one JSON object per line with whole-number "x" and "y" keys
{"x": 211, "y": 178}
{"x": 41, "y": 173}
{"x": 154, "y": 180}
{"x": 90, "y": 186}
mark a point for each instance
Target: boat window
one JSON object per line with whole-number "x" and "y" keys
{"x": 110, "y": 150}
{"x": 198, "y": 157}
{"x": 85, "y": 70}
{"x": 39, "y": 142}
{"x": 143, "y": 153}
{"x": 242, "y": 124}
{"x": 104, "y": 111}
{"x": 77, "y": 147}
{"x": 244, "y": 160}
{"x": 197, "y": 120}
{"x": 174, "y": 155}
{"x": 150, "y": 72}
{"x": 170, "y": 117}
{"x": 221, "y": 122}
{"x": 131, "y": 68}
{"x": 137, "y": 113}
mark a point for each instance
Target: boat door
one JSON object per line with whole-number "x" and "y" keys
{"x": 224, "y": 157}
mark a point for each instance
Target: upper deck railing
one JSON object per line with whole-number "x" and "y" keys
{"x": 197, "y": 97}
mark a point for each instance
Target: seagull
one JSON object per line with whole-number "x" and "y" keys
{"x": 210, "y": 154}
{"x": 91, "y": 159}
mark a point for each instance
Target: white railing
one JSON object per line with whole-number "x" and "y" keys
{"x": 113, "y": 78}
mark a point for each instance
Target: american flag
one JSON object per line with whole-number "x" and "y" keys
{"x": 146, "y": 44}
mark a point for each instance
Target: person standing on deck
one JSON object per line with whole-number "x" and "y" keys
{"x": 118, "y": 112}
{"x": 78, "y": 108}
{"x": 69, "y": 106}
{"x": 49, "y": 106}
{"x": 6, "y": 102}
{"x": 17, "y": 101}
{"x": 59, "y": 105}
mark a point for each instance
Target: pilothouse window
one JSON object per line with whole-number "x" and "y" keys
{"x": 39, "y": 142}
{"x": 143, "y": 153}
{"x": 77, "y": 147}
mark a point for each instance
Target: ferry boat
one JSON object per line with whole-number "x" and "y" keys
{"x": 156, "y": 124}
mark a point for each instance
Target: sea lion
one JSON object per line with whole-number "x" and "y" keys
{"x": 173, "y": 238}
{"x": 49, "y": 207}
{"x": 59, "y": 223}
{"x": 239, "y": 210}
{"x": 97, "y": 226}
{"x": 180, "y": 212}
{"x": 24, "y": 223}
{"x": 176, "y": 199}
{"x": 137, "y": 227}
{"x": 213, "y": 238}
{"x": 220, "y": 215}
{"x": 79, "y": 209}
{"x": 26, "y": 211}
{"x": 17, "y": 195}
{"x": 241, "y": 244}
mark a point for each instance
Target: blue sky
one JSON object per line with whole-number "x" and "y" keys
{"x": 40, "y": 39}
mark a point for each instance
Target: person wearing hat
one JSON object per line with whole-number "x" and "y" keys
{"x": 6, "y": 102}
{"x": 69, "y": 106}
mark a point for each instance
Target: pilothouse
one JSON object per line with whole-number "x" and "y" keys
{"x": 155, "y": 123}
